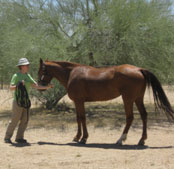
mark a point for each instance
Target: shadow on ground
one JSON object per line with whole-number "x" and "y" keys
{"x": 106, "y": 146}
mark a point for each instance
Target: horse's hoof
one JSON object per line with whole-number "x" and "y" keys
{"x": 76, "y": 139}
{"x": 83, "y": 141}
{"x": 118, "y": 143}
{"x": 141, "y": 143}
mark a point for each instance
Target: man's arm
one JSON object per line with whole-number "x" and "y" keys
{"x": 39, "y": 87}
{"x": 12, "y": 87}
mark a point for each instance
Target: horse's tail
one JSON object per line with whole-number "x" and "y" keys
{"x": 160, "y": 99}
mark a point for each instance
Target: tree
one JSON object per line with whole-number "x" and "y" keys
{"x": 94, "y": 32}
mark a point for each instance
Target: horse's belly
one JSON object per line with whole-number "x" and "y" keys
{"x": 94, "y": 94}
{"x": 98, "y": 95}
{"x": 93, "y": 90}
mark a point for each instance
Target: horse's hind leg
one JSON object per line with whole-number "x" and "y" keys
{"x": 128, "y": 105}
{"x": 143, "y": 113}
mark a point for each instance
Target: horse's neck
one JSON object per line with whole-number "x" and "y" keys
{"x": 61, "y": 71}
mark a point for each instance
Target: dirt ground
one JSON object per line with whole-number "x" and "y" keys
{"x": 52, "y": 148}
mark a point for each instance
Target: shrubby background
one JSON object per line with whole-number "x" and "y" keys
{"x": 93, "y": 32}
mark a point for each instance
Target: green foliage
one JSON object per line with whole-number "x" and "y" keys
{"x": 50, "y": 97}
{"x": 138, "y": 32}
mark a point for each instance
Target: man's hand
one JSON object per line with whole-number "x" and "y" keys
{"x": 23, "y": 82}
{"x": 39, "y": 87}
{"x": 51, "y": 85}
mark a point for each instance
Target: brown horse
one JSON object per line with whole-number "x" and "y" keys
{"x": 86, "y": 84}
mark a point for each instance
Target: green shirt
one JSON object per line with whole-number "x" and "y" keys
{"x": 28, "y": 80}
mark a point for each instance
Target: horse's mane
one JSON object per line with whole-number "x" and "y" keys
{"x": 63, "y": 64}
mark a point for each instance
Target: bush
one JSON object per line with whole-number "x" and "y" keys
{"x": 50, "y": 98}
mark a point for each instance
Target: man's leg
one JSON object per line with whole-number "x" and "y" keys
{"x": 16, "y": 115}
{"x": 23, "y": 124}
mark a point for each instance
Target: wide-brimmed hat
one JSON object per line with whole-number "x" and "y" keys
{"x": 23, "y": 61}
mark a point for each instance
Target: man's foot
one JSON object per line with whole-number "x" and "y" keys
{"x": 7, "y": 140}
{"x": 21, "y": 140}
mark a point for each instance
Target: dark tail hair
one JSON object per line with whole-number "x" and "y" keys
{"x": 160, "y": 99}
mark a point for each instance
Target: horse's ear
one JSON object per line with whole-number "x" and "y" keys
{"x": 41, "y": 61}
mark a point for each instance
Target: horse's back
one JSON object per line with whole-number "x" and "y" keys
{"x": 97, "y": 84}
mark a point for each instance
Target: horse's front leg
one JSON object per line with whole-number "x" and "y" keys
{"x": 81, "y": 120}
{"x": 85, "y": 132}
{"x": 79, "y": 131}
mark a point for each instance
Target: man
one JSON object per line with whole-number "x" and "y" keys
{"x": 20, "y": 113}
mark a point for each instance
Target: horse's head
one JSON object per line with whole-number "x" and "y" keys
{"x": 44, "y": 78}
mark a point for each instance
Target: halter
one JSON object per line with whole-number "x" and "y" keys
{"x": 43, "y": 75}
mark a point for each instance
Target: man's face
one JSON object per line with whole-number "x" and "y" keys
{"x": 25, "y": 68}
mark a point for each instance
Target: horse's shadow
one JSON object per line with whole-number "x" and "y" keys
{"x": 106, "y": 146}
